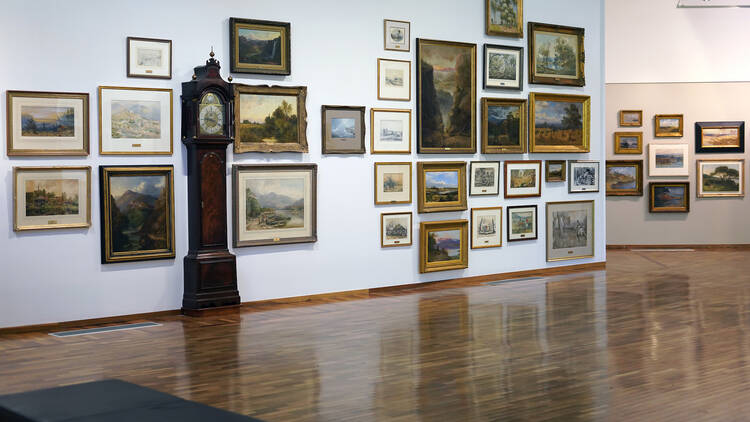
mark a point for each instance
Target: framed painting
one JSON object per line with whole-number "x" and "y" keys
{"x": 394, "y": 80}
{"x": 486, "y": 227}
{"x": 51, "y": 198}
{"x": 47, "y": 123}
{"x": 484, "y": 178}
{"x": 504, "y": 18}
{"x": 631, "y": 118}
{"x": 668, "y": 125}
{"x": 503, "y": 126}
{"x": 503, "y": 67}
{"x": 443, "y": 245}
{"x": 270, "y": 118}
{"x": 628, "y": 142}
{"x": 720, "y": 178}
{"x": 390, "y": 131}
{"x": 446, "y": 97}
{"x": 396, "y": 35}
{"x": 395, "y": 229}
{"x": 343, "y": 129}
{"x": 261, "y": 47}
{"x": 624, "y": 177}
{"x": 392, "y": 183}
{"x": 559, "y": 122}
{"x": 556, "y": 55}
{"x": 137, "y": 213}
{"x": 716, "y": 137}
{"x": 668, "y": 160}
{"x": 523, "y": 179}
{"x": 441, "y": 186}
{"x": 555, "y": 171}
{"x": 522, "y": 222}
{"x": 149, "y": 58}
{"x": 274, "y": 204}
{"x": 669, "y": 197}
{"x": 570, "y": 230}
{"x": 135, "y": 121}
{"x": 584, "y": 176}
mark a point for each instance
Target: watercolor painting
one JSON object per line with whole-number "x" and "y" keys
{"x": 137, "y": 119}
{"x": 275, "y": 203}
{"x": 47, "y": 121}
{"x": 48, "y": 197}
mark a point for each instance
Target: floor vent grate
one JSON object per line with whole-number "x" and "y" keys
{"x": 104, "y": 329}
{"x": 513, "y": 280}
{"x": 664, "y": 250}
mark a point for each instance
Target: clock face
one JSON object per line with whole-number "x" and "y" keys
{"x": 211, "y": 115}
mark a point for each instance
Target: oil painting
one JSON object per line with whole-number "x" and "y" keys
{"x": 624, "y": 178}
{"x": 486, "y": 227}
{"x": 135, "y": 120}
{"x": 555, "y": 171}
{"x": 522, "y": 222}
{"x": 556, "y": 54}
{"x": 392, "y": 183}
{"x": 396, "y": 35}
{"x": 503, "y": 126}
{"x": 446, "y": 91}
{"x": 668, "y": 160}
{"x": 721, "y": 178}
{"x": 270, "y": 119}
{"x": 394, "y": 80}
{"x": 570, "y": 226}
{"x": 631, "y": 118}
{"x": 51, "y": 197}
{"x": 484, "y": 178}
{"x": 149, "y": 58}
{"x": 584, "y": 176}
{"x": 720, "y": 137}
{"x": 504, "y": 17}
{"x": 559, "y": 123}
{"x": 261, "y": 47}
{"x": 441, "y": 186}
{"x": 395, "y": 229}
{"x": 390, "y": 131}
{"x": 669, "y": 197}
{"x": 443, "y": 245}
{"x": 668, "y": 125}
{"x": 628, "y": 142}
{"x": 343, "y": 129}
{"x": 503, "y": 67}
{"x": 523, "y": 178}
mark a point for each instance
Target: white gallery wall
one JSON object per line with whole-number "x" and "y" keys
{"x": 50, "y": 276}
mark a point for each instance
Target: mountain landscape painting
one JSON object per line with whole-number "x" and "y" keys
{"x": 48, "y": 197}
{"x": 444, "y": 245}
{"x": 441, "y": 186}
{"x": 139, "y": 212}
{"x": 558, "y": 123}
{"x": 47, "y": 121}
{"x": 275, "y": 203}
{"x": 259, "y": 46}
{"x": 268, "y": 119}
{"x": 503, "y": 125}
{"x": 138, "y": 119}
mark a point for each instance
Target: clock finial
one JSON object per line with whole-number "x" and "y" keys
{"x": 212, "y": 52}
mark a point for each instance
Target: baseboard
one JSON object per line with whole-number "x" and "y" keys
{"x": 736, "y": 246}
{"x": 89, "y": 323}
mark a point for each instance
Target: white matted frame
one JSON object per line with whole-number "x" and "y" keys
{"x": 523, "y": 179}
{"x": 395, "y": 229}
{"x": 668, "y": 160}
{"x": 393, "y": 183}
{"x": 390, "y": 131}
{"x": 570, "y": 230}
{"x": 484, "y": 178}
{"x": 486, "y": 227}
{"x": 716, "y": 178}
{"x": 583, "y": 176}
{"x": 394, "y": 80}
{"x": 503, "y": 67}
{"x": 396, "y": 35}
{"x": 135, "y": 121}
{"x": 65, "y": 185}
{"x": 149, "y": 58}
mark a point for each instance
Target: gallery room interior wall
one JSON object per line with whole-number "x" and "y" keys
{"x": 51, "y": 276}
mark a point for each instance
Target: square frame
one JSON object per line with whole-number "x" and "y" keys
{"x": 522, "y": 125}
{"x": 394, "y": 94}
{"x": 134, "y": 70}
{"x": 425, "y": 228}
{"x": 396, "y": 243}
{"x": 585, "y": 102}
{"x": 564, "y": 170}
{"x": 638, "y": 190}
{"x": 684, "y": 205}
{"x": 359, "y": 123}
{"x": 523, "y": 192}
{"x": 683, "y": 170}
{"x": 300, "y": 92}
{"x": 571, "y": 252}
{"x": 523, "y": 236}
{"x": 284, "y": 28}
{"x": 19, "y": 198}
{"x": 699, "y": 176}
{"x": 475, "y": 190}
{"x": 138, "y": 146}
{"x": 407, "y": 36}
{"x": 506, "y": 84}
{"x": 660, "y": 133}
{"x": 380, "y": 197}
{"x": 475, "y": 228}
{"x": 424, "y": 206}
{"x": 700, "y": 148}
{"x": 623, "y": 123}
{"x": 491, "y": 29}
{"x": 376, "y": 131}
{"x": 618, "y": 147}
{"x": 557, "y": 79}
{"x": 580, "y": 185}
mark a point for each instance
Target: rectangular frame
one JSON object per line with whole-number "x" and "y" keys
{"x": 585, "y": 102}
{"x": 564, "y": 166}
{"x": 496, "y": 83}
{"x": 376, "y": 128}
{"x": 51, "y": 223}
{"x": 394, "y": 46}
{"x": 325, "y": 139}
{"x": 702, "y": 149}
{"x": 577, "y": 252}
{"x": 423, "y": 206}
{"x": 394, "y": 94}
{"x": 559, "y": 79}
{"x": 700, "y": 193}
{"x": 490, "y": 29}
{"x": 425, "y": 227}
{"x": 638, "y": 190}
{"x": 300, "y": 92}
{"x": 284, "y": 68}
{"x": 379, "y": 197}
{"x": 618, "y": 148}
{"x": 574, "y": 186}
{"x": 683, "y": 207}
{"x": 137, "y": 146}
{"x": 520, "y": 237}
{"x": 136, "y": 70}
{"x": 397, "y": 243}
{"x": 622, "y": 121}
{"x": 653, "y": 171}
{"x": 522, "y": 125}
{"x": 537, "y": 164}
{"x": 498, "y": 212}
{"x": 665, "y": 134}
{"x": 482, "y": 190}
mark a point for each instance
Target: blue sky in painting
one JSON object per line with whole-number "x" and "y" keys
{"x": 441, "y": 179}
{"x": 552, "y": 111}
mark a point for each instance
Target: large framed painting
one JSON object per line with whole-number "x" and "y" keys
{"x": 631, "y": 118}
{"x": 559, "y": 122}
{"x": 270, "y": 118}
{"x": 556, "y": 55}
{"x": 135, "y": 121}
{"x": 714, "y": 137}
{"x": 624, "y": 177}
{"x": 555, "y": 171}
{"x": 669, "y": 197}
{"x": 570, "y": 230}
{"x": 396, "y": 35}
{"x": 668, "y": 125}
{"x": 392, "y": 183}
{"x": 629, "y": 143}
{"x": 390, "y": 131}
{"x": 274, "y": 204}
{"x": 504, "y": 17}
{"x": 720, "y": 178}
{"x": 51, "y": 198}
{"x": 443, "y": 245}
{"x": 47, "y": 123}
{"x": 522, "y": 222}
{"x": 486, "y": 227}
{"x": 261, "y": 47}
{"x": 484, "y": 178}
{"x": 395, "y": 229}
{"x": 446, "y": 97}
{"x": 394, "y": 80}
{"x": 137, "y": 213}
{"x": 584, "y": 176}
{"x": 343, "y": 129}
{"x": 441, "y": 186}
{"x": 503, "y": 67}
{"x": 668, "y": 160}
{"x": 149, "y": 58}
{"x": 503, "y": 126}
{"x": 523, "y": 179}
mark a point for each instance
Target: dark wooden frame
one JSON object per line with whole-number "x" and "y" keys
{"x": 571, "y": 163}
{"x": 581, "y": 59}
{"x": 659, "y": 134}
{"x": 518, "y": 33}
{"x": 299, "y": 91}
{"x": 286, "y": 56}
{"x": 522, "y": 122}
{"x": 638, "y": 164}
{"x": 507, "y": 178}
{"x": 549, "y": 179}
{"x": 700, "y": 149}
{"x": 422, "y": 205}
{"x": 411, "y": 229}
{"x": 499, "y": 227}
{"x": 471, "y": 178}
{"x": 684, "y": 208}
{"x": 155, "y": 40}
{"x": 324, "y": 132}
{"x": 520, "y": 66}
{"x": 536, "y": 222}
{"x": 425, "y": 227}
{"x": 625, "y": 124}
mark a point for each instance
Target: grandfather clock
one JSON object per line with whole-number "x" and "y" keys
{"x": 207, "y": 130}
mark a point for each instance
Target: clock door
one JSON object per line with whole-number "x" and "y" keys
{"x": 211, "y": 116}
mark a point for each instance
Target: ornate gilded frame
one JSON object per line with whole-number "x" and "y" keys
{"x": 580, "y": 60}
{"x": 585, "y": 100}
{"x": 300, "y": 92}
{"x": 425, "y": 227}
{"x": 423, "y": 206}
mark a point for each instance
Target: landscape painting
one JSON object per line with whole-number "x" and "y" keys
{"x": 137, "y": 119}
{"x": 501, "y": 65}
{"x": 441, "y": 186}
{"x": 555, "y": 171}
{"x": 631, "y": 117}
{"x": 556, "y": 54}
{"x": 670, "y": 197}
{"x": 274, "y": 203}
{"x": 569, "y": 229}
{"x": 670, "y": 158}
{"x": 522, "y": 222}
{"x": 394, "y": 78}
{"x": 622, "y": 178}
{"x": 343, "y": 128}
{"x": 504, "y": 17}
{"x": 721, "y": 178}
{"x": 447, "y": 101}
{"x": 259, "y": 46}
{"x": 50, "y": 197}
{"x": 668, "y": 125}
{"x": 628, "y": 142}
{"x": 271, "y": 119}
{"x": 139, "y": 212}
{"x": 484, "y": 177}
{"x": 443, "y": 245}
{"x": 522, "y": 178}
{"x": 503, "y": 125}
{"x": 47, "y": 121}
{"x": 149, "y": 57}
{"x": 721, "y": 137}
{"x": 395, "y": 229}
{"x": 391, "y": 130}
{"x": 558, "y": 123}
{"x": 393, "y": 182}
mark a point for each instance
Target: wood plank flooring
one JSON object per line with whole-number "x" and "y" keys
{"x": 658, "y": 336}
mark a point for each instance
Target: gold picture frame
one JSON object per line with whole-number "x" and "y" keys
{"x": 246, "y": 137}
{"x": 451, "y": 175}
{"x": 278, "y": 64}
{"x": 518, "y": 147}
{"x": 431, "y": 257}
{"x": 392, "y": 195}
{"x": 672, "y": 131}
{"x": 400, "y": 35}
{"x": 486, "y": 227}
{"x": 626, "y": 118}
{"x": 557, "y": 70}
{"x": 514, "y": 28}
{"x": 545, "y": 139}
{"x": 397, "y": 86}
{"x": 399, "y": 230}
{"x": 382, "y": 134}
{"x": 44, "y": 196}
{"x": 623, "y": 178}
{"x": 677, "y": 199}
{"x": 558, "y": 175}
{"x": 623, "y": 142}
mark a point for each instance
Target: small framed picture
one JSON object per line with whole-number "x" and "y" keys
{"x": 631, "y": 118}
{"x": 486, "y": 227}
{"x": 135, "y": 120}
{"x": 343, "y": 129}
{"x": 270, "y": 118}
{"x": 559, "y": 122}
{"x": 51, "y": 198}
{"x": 669, "y": 197}
{"x": 484, "y": 178}
{"x": 555, "y": 170}
{"x": 443, "y": 245}
{"x": 503, "y": 67}
{"x": 522, "y": 223}
{"x": 396, "y": 35}
{"x": 394, "y": 80}
{"x": 149, "y": 58}
{"x": 261, "y": 47}
{"x": 441, "y": 186}
{"x": 47, "y": 123}
{"x": 565, "y": 64}
{"x": 390, "y": 131}
{"x": 503, "y": 126}
{"x": 523, "y": 179}
{"x": 628, "y": 142}
{"x": 716, "y": 137}
{"x": 720, "y": 178}
{"x": 570, "y": 230}
{"x": 624, "y": 177}
{"x": 395, "y": 229}
{"x": 504, "y": 18}
{"x": 668, "y": 160}
{"x": 392, "y": 183}
{"x": 584, "y": 176}
{"x": 668, "y": 125}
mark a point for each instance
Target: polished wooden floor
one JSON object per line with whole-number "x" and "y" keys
{"x": 658, "y": 336}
